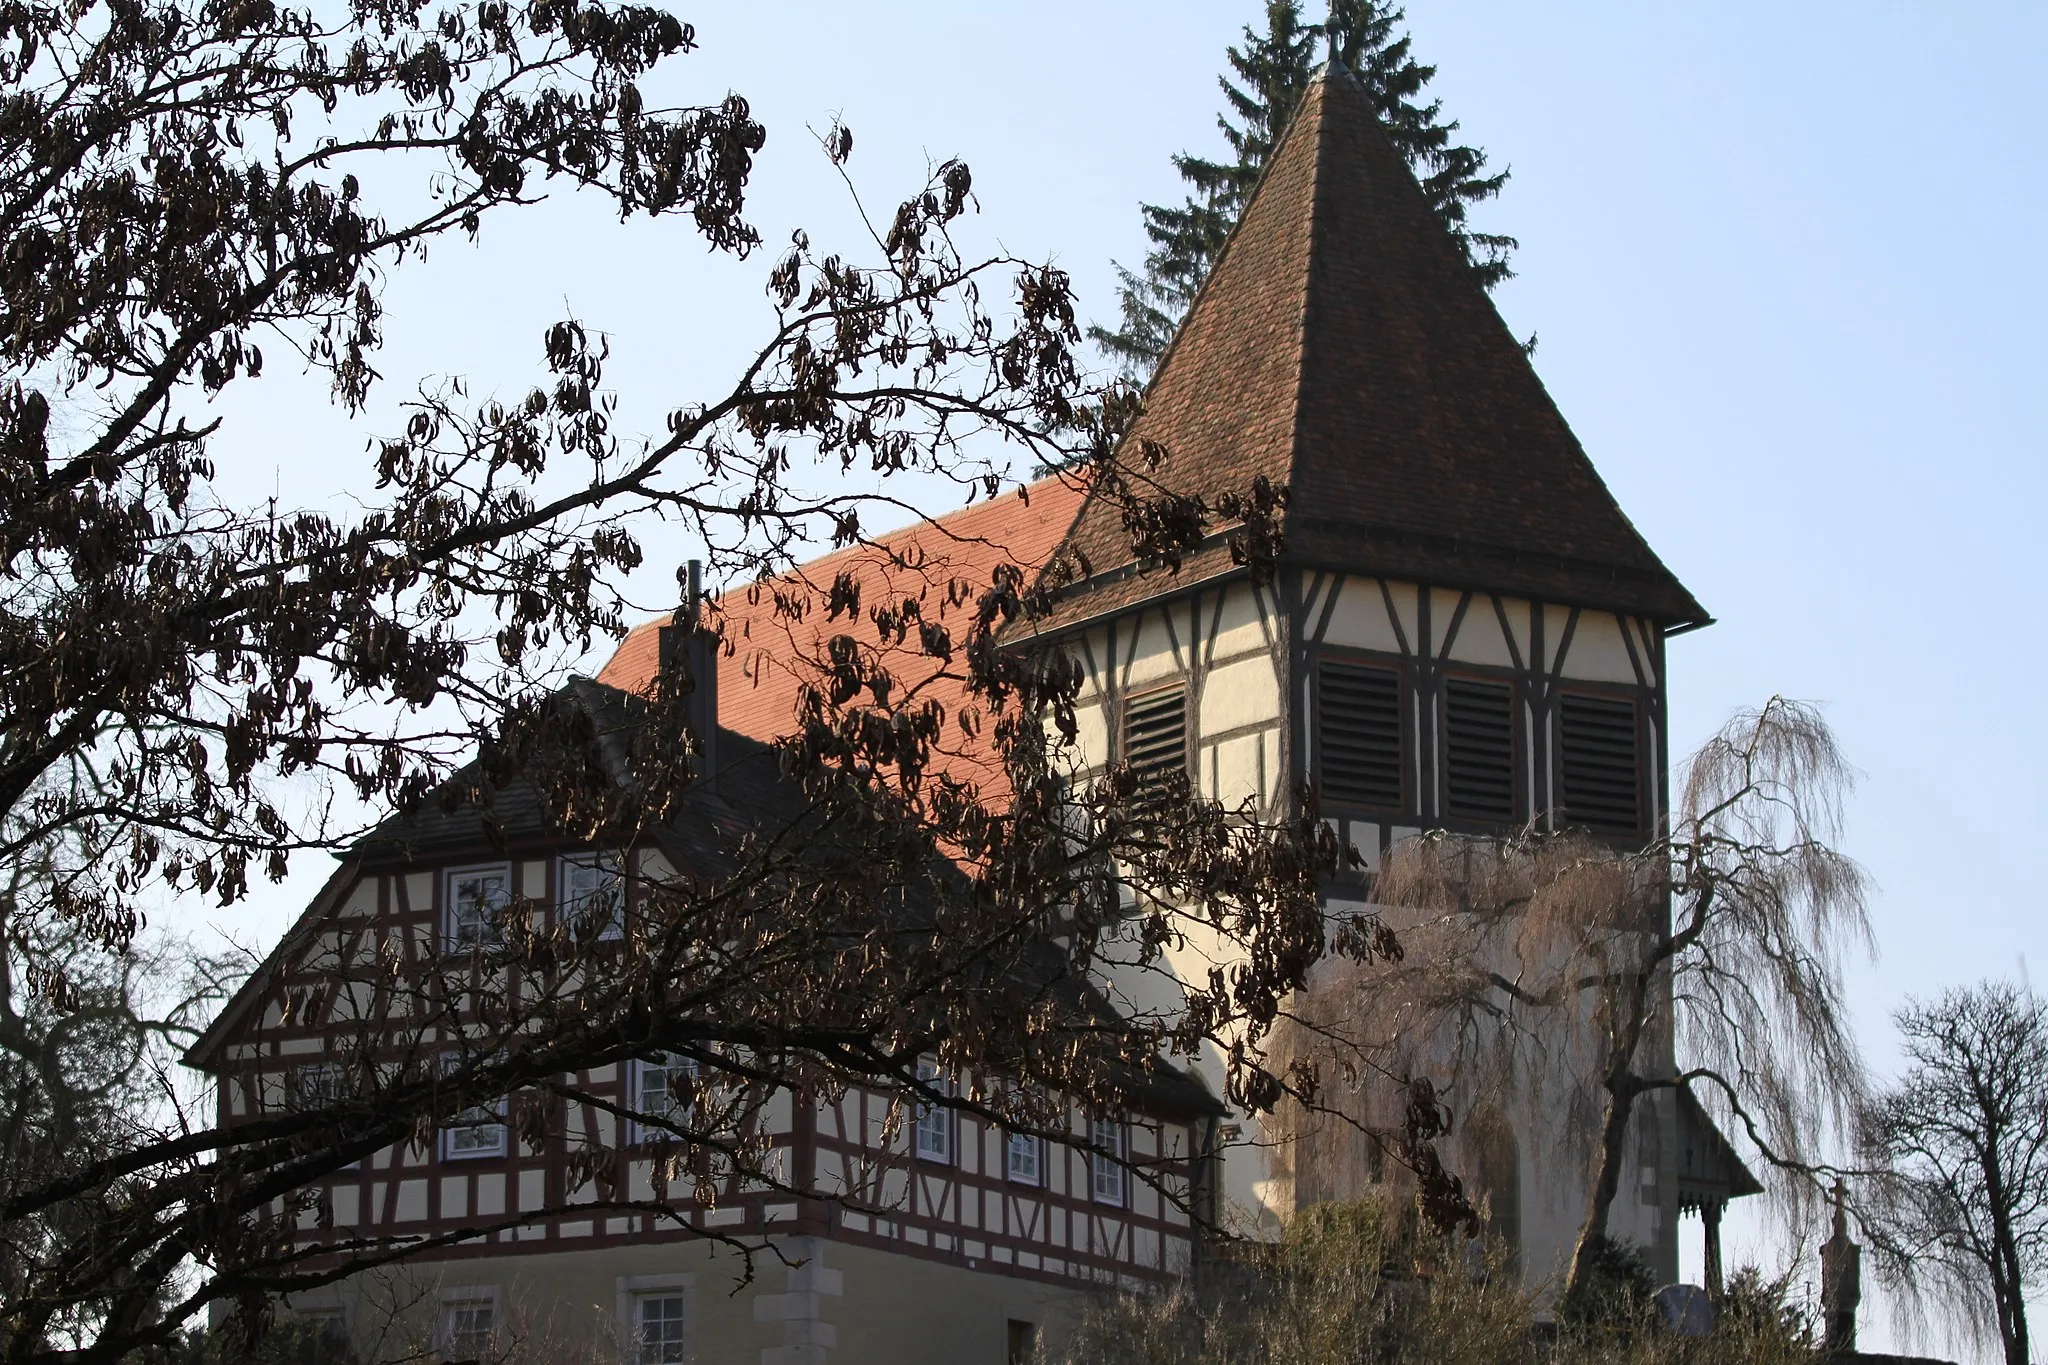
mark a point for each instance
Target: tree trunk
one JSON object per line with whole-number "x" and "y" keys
{"x": 2008, "y": 1289}
{"x": 1622, "y": 1086}
{"x": 1622, "y": 1090}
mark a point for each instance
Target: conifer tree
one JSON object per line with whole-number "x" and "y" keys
{"x": 1271, "y": 71}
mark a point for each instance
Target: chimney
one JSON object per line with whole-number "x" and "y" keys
{"x": 1841, "y": 1283}
{"x": 688, "y": 655}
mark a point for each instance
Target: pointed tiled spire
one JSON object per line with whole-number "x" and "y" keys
{"x": 1343, "y": 346}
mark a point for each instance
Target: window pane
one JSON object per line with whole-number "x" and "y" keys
{"x": 1023, "y": 1158}
{"x": 659, "y": 1326}
{"x": 1107, "y": 1170}
{"x": 477, "y": 1133}
{"x": 328, "y": 1327}
{"x": 594, "y": 894}
{"x": 478, "y": 1130}
{"x": 934, "y": 1137}
{"x": 476, "y": 902}
{"x": 318, "y": 1086}
{"x": 467, "y": 1327}
{"x": 662, "y": 1091}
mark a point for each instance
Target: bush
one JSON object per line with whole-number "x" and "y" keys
{"x": 1349, "y": 1283}
{"x": 1616, "y": 1296}
{"x": 1365, "y": 1284}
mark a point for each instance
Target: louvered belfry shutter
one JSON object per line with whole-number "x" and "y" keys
{"x": 1600, "y": 763}
{"x": 1156, "y": 737}
{"x": 1358, "y": 718}
{"x": 1479, "y": 750}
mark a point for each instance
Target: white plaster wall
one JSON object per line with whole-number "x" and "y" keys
{"x": 1232, "y": 771}
{"x": 1596, "y": 652}
{"x": 1479, "y": 639}
{"x": 1239, "y": 694}
{"x": 1244, "y": 622}
{"x": 1360, "y": 619}
{"x": 1146, "y": 650}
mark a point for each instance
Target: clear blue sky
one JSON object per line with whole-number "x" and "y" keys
{"x": 1783, "y": 260}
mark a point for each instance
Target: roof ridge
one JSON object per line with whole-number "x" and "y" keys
{"x": 1318, "y": 83}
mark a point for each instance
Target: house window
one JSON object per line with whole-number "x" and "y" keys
{"x": 1599, "y": 762}
{"x": 1021, "y": 1161}
{"x": 594, "y": 894}
{"x": 469, "y": 1323}
{"x": 661, "y": 1092}
{"x": 934, "y": 1136}
{"x": 477, "y": 1131}
{"x": 1358, "y": 717}
{"x": 660, "y": 1327}
{"x": 319, "y": 1085}
{"x": 1479, "y": 750}
{"x": 1156, "y": 738}
{"x": 1106, "y": 1170}
{"x": 477, "y": 898}
{"x": 1023, "y": 1342}
{"x": 327, "y": 1330}
{"x": 322, "y": 1086}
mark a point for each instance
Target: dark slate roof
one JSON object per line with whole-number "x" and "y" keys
{"x": 750, "y": 792}
{"x": 1343, "y": 346}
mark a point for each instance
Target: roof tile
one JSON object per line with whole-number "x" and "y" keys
{"x": 1343, "y": 347}
{"x": 770, "y": 655}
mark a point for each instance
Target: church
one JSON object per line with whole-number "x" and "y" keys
{"x": 1464, "y": 632}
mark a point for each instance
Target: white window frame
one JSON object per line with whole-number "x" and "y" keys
{"x": 474, "y": 1119}
{"x": 637, "y": 1094}
{"x": 1022, "y": 1144}
{"x": 472, "y": 934}
{"x": 329, "y": 1088}
{"x": 318, "y": 1085}
{"x": 454, "y": 1301}
{"x": 1108, "y": 1178}
{"x": 634, "y": 1290}
{"x": 932, "y": 1135}
{"x": 571, "y": 902}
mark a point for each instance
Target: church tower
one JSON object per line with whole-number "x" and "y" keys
{"x": 1465, "y": 632}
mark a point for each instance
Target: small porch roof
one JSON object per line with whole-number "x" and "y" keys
{"x": 1709, "y": 1171}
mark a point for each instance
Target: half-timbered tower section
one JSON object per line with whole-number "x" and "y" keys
{"x": 1461, "y": 631}
{"x": 558, "y": 1219}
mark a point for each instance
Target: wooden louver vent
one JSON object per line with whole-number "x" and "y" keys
{"x": 1359, "y": 715}
{"x": 1156, "y": 737}
{"x": 1599, "y": 763}
{"x": 1479, "y": 750}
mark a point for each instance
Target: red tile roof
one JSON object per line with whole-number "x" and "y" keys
{"x": 772, "y": 655}
{"x": 1343, "y": 347}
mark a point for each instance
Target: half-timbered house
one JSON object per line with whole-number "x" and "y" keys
{"x": 1463, "y": 632}
{"x": 925, "y": 1234}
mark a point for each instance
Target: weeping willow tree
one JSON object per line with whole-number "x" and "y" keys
{"x": 1569, "y": 978}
